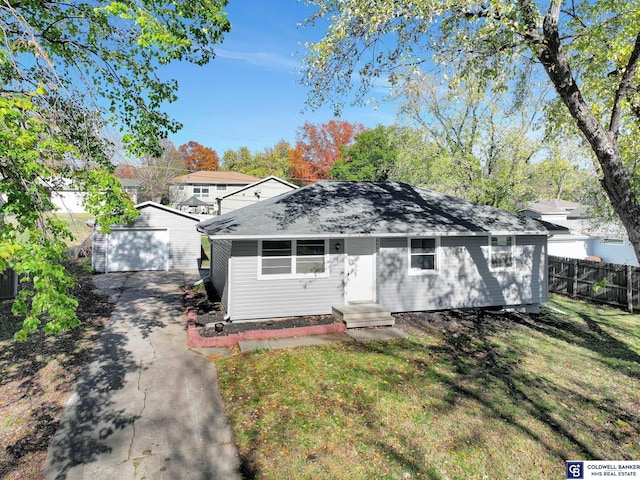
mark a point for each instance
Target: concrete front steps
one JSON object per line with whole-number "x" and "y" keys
{"x": 359, "y": 315}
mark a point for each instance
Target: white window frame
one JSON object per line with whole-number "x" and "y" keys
{"x": 221, "y": 187}
{"x": 437, "y": 256}
{"x": 293, "y": 257}
{"x": 201, "y": 192}
{"x": 512, "y": 251}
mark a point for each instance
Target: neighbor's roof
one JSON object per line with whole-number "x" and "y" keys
{"x": 206, "y": 176}
{"x": 344, "y": 209}
{"x": 552, "y": 206}
{"x": 258, "y": 183}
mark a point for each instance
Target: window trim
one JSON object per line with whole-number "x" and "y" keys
{"x": 294, "y": 256}
{"x": 416, "y": 272}
{"x": 222, "y": 187}
{"x": 200, "y": 193}
{"x": 513, "y": 255}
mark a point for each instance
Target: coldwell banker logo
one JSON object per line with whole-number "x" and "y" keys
{"x": 575, "y": 469}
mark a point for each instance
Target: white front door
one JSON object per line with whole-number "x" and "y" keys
{"x": 360, "y": 270}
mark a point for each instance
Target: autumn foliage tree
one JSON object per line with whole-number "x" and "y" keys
{"x": 197, "y": 157}
{"x": 126, "y": 170}
{"x": 318, "y": 147}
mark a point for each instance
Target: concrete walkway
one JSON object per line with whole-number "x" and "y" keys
{"x": 146, "y": 407}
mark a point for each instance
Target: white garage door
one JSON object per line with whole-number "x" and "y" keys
{"x": 135, "y": 250}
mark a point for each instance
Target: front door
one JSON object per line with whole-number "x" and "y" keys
{"x": 360, "y": 270}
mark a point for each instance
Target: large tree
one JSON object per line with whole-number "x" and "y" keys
{"x": 198, "y": 157}
{"x": 318, "y": 147}
{"x": 156, "y": 172}
{"x": 587, "y": 49}
{"x": 66, "y": 70}
{"x": 372, "y": 156}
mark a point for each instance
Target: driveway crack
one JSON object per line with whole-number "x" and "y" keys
{"x": 139, "y": 415}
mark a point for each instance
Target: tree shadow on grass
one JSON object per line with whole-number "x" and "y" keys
{"x": 489, "y": 373}
{"x": 590, "y": 336}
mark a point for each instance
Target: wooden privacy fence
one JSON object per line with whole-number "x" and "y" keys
{"x": 600, "y": 282}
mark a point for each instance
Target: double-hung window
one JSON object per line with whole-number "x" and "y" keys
{"x": 201, "y": 191}
{"x": 293, "y": 257}
{"x": 502, "y": 251}
{"x": 423, "y": 255}
{"x": 221, "y": 187}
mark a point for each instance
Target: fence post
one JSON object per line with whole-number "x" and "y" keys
{"x": 575, "y": 278}
{"x": 630, "y": 288}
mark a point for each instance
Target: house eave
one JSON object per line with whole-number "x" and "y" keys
{"x": 331, "y": 236}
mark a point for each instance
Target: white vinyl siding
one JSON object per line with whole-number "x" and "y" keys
{"x": 465, "y": 279}
{"x": 292, "y": 258}
{"x": 184, "y": 241}
{"x": 251, "y": 298}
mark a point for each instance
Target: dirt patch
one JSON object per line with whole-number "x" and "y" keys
{"x": 37, "y": 377}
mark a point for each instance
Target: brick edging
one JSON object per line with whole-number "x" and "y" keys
{"x": 194, "y": 339}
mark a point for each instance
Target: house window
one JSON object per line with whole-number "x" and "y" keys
{"x": 293, "y": 257}
{"x": 181, "y": 188}
{"x": 423, "y": 255}
{"x": 200, "y": 191}
{"x": 613, "y": 241}
{"x": 502, "y": 251}
{"x": 221, "y": 187}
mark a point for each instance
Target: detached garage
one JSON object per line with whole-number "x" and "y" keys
{"x": 161, "y": 238}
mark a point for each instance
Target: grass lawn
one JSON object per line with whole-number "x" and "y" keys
{"x": 469, "y": 397}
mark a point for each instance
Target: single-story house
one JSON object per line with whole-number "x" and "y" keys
{"x": 132, "y": 187}
{"x": 65, "y": 196}
{"x": 259, "y": 191}
{"x": 405, "y": 248}
{"x": 585, "y": 237}
{"x": 161, "y": 238}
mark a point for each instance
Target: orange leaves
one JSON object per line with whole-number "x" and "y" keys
{"x": 318, "y": 147}
{"x": 197, "y": 157}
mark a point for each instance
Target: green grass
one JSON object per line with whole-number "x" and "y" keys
{"x": 204, "y": 240}
{"x": 502, "y": 396}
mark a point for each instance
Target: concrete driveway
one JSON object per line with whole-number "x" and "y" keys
{"x": 146, "y": 407}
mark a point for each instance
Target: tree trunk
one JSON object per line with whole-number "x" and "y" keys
{"x": 616, "y": 180}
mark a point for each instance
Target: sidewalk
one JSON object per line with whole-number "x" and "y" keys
{"x": 145, "y": 407}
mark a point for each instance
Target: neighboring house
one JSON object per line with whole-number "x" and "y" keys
{"x": 207, "y": 186}
{"x": 161, "y": 238}
{"x": 584, "y": 238}
{"x": 132, "y": 187}
{"x": 331, "y": 244}
{"x": 65, "y": 197}
{"x": 256, "y": 192}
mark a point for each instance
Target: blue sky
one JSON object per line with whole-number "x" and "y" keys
{"x": 249, "y": 94}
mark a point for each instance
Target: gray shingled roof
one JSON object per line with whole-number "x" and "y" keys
{"x": 336, "y": 208}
